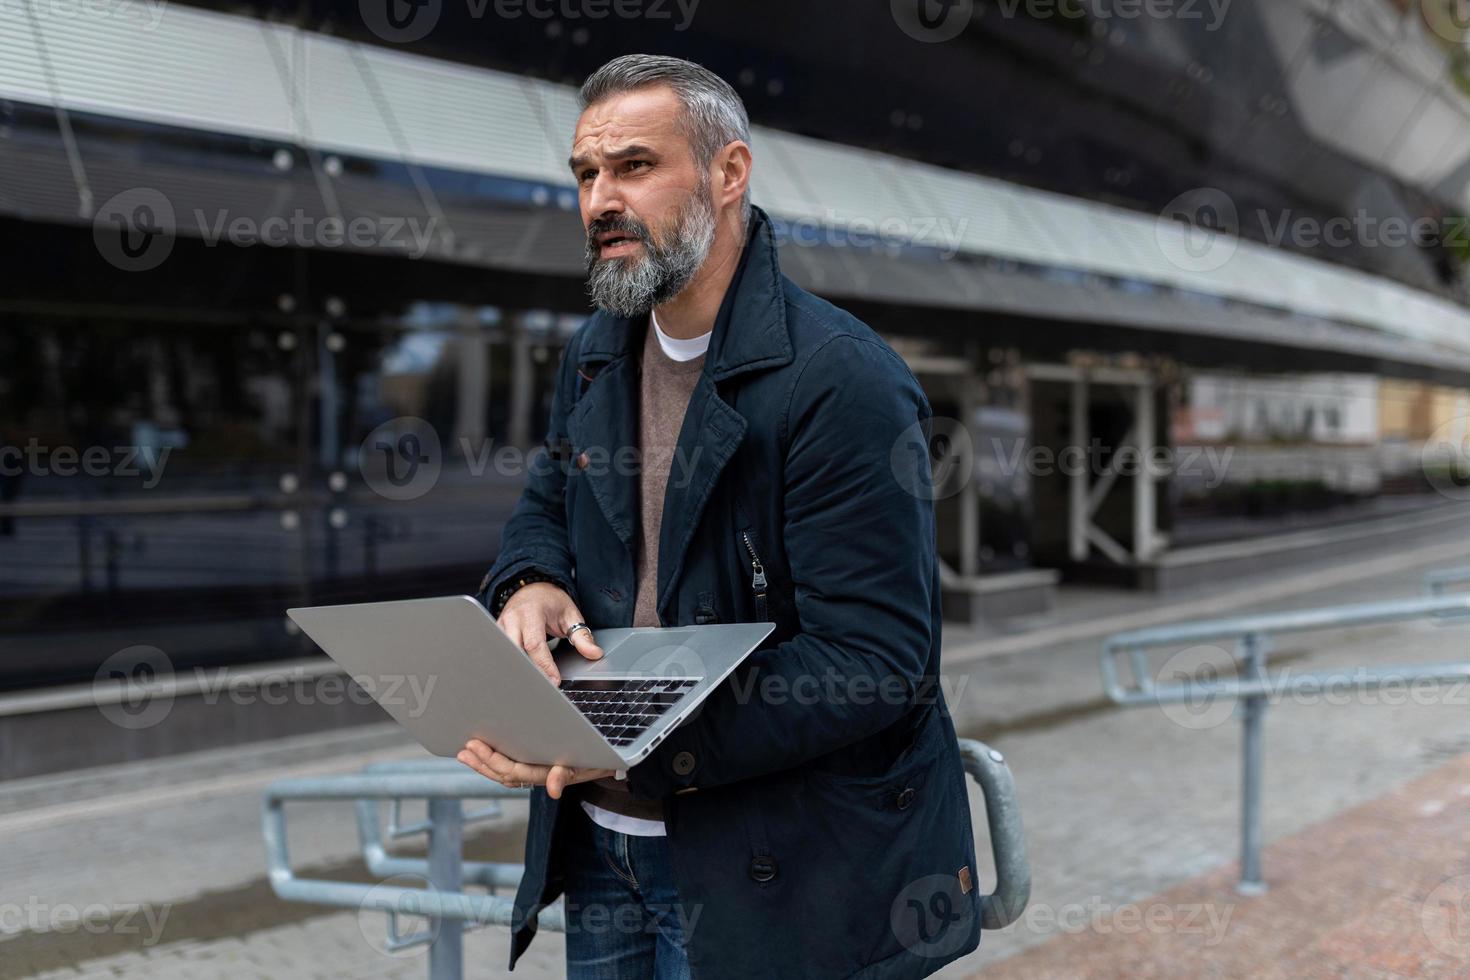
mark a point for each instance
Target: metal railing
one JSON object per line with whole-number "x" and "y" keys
{"x": 1438, "y": 581}
{"x": 449, "y": 909}
{"x": 1254, "y": 687}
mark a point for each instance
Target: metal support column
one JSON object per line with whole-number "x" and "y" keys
{"x": 1145, "y": 508}
{"x": 518, "y": 432}
{"x": 446, "y": 833}
{"x": 1252, "y": 718}
{"x": 970, "y": 489}
{"x": 1078, "y": 499}
{"x": 472, "y": 386}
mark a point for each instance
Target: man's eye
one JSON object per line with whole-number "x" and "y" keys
{"x": 637, "y": 164}
{"x": 586, "y": 175}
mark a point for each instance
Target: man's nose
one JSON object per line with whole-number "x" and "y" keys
{"x": 603, "y": 198}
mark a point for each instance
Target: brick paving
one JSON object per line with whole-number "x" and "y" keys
{"x": 1381, "y": 892}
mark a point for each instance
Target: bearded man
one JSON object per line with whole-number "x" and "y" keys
{"x": 811, "y": 820}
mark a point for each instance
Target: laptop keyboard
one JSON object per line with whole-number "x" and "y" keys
{"x": 623, "y": 709}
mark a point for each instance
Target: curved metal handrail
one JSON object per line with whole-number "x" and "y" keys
{"x": 445, "y": 784}
{"x": 1007, "y": 841}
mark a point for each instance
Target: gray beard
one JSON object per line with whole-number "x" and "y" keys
{"x": 630, "y": 288}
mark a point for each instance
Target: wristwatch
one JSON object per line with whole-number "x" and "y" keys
{"x": 503, "y": 594}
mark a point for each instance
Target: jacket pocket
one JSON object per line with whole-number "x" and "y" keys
{"x": 899, "y": 785}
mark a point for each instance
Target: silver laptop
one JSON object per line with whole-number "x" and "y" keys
{"x": 447, "y": 673}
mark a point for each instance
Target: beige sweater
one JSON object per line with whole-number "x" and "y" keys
{"x": 664, "y": 390}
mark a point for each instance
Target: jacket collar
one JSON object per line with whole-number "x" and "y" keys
{"x": 750, "y": 331}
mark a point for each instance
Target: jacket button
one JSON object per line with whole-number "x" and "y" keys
{"x": 683, "y": 763}
{"x": 762, "y": 869}
{"x": 582, "y": 461}
{"x": 905, "y": 798}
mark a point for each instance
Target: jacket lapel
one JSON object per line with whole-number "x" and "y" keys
{"x": 604, "y": 426}
{"x": 712, "y": 432}
{"x": 750, "y": 334}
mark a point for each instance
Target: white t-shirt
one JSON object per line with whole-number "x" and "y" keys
{"x": 677, "y": 350}
{"x": 680, "y": 350}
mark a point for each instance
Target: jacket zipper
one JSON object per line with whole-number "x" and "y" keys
{"x": 757, "y": 577}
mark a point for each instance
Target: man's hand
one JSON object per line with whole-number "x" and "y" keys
{"x": 542, "y": 608}
{"x": 518, "y": 775}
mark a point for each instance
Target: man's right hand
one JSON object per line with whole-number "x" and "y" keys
{"x": 536, "y": 610}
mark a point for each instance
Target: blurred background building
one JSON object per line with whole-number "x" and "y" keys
{"x": 285, "y": 284}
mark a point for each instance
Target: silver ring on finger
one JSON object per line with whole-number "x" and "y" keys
{"x": 579, "y": 626}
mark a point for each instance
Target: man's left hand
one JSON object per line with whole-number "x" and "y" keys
{"x": 518, "y": 775}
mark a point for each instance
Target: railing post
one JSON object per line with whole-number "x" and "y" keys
{"x": 446, "y": 833}
{"x": 1253, "y": 714}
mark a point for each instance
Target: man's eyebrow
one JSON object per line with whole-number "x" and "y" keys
{"x": 622, "y": 153}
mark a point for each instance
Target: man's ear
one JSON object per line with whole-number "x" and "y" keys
{"x": 731, "y": 173}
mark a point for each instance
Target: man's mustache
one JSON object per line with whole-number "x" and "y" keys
{"x": 622, "y": 224}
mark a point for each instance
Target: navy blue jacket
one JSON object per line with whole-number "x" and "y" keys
{"x": 816, "y": 806}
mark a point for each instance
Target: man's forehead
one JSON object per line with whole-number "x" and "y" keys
{"x": 641, "y": 116}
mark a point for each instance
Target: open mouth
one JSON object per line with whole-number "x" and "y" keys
{"x": 616, "y": 242}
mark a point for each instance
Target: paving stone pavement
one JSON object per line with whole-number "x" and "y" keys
{"x": 1119, "y": 805}
{"x": 1378, "y": 892}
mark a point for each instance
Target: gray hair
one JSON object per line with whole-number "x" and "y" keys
{"x": 713, "y": 118}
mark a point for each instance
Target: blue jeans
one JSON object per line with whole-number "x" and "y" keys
{"x": 624, "y": 920}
